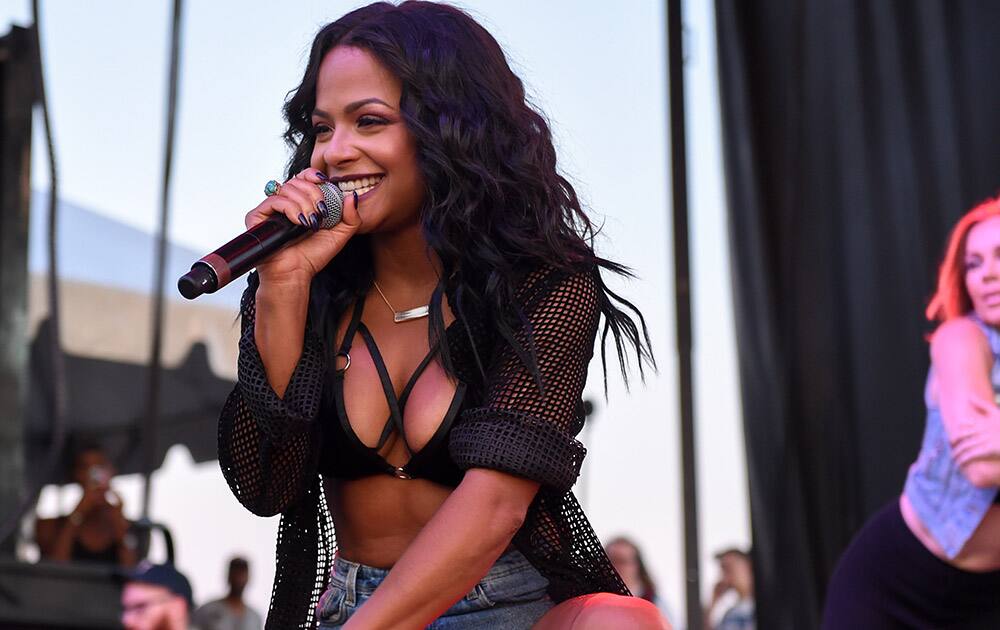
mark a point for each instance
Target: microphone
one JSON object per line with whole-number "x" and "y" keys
{"x": 240, "y": 255}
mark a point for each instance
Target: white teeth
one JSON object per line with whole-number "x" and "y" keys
{"x": 360, "y": 183}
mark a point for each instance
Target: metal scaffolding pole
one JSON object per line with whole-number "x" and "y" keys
{"x": 682, "y": 300}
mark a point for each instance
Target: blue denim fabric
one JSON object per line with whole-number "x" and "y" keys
{"x": 512, "y": 595}
{"x": 945, "y": 500}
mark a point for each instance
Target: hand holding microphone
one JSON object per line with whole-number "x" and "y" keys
{"x": 307, "y": 205}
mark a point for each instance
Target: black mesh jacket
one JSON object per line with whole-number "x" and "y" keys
{"x": 269, "y": 446}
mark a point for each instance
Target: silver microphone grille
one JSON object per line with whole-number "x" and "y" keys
{"x": 333, "y": 197}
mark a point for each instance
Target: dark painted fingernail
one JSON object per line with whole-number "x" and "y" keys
{"x": 314, "y": 219}
{"x": 321, "y": 175}
{"x": 355, "y": 200}
{"x": 321, "y": 206}
{"x": 302, "y": 220}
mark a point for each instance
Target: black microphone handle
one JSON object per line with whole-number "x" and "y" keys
{"x": 239, "y": 256}
{"x": 242, "y": 254}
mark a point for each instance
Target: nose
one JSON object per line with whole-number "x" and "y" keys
{"x": 340, "y": 149}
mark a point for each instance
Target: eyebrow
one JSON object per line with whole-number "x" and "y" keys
{"x": 352, "y": 107}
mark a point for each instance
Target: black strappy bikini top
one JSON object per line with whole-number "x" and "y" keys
{"x": 344, "y": 456}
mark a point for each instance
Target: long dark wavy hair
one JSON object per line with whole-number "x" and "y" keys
{"x": 495, "y": 205}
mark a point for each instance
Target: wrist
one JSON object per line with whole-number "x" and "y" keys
{"x": 284, "y": 281}
{"x": 281, "y": 294}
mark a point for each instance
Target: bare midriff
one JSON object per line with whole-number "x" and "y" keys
{"x": 981, "y": 552}
{"x": 377, "y": 517}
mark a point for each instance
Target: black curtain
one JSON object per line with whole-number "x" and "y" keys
{"x": 855, "y": 132}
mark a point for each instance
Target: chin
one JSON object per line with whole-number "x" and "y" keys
{"x": 990, "y": 316}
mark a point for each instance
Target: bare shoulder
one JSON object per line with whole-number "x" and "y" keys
{"x": 959, "y": 337}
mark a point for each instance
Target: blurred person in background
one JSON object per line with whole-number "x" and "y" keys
{"x": 230, "y": 612}
{"x": 931, "y": 558}
{"x": 96, "y": 530}
{"x": 627, "y": 560}
{"x": 736, "y": 577}
{"x": 156, "y": 597}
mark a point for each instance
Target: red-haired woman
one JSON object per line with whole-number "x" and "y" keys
{"x": 932, "y": 559}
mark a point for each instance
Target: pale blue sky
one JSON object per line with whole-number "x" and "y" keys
{"x": 595, "y": 68}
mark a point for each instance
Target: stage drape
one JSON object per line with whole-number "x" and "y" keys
{"x": 855, "y": 133}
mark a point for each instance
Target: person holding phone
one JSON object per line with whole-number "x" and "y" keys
{"x": 96, "y": 530}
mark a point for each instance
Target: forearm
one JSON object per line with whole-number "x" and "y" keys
{"x": 451, "y": 554}
{"x": 267, "y": 444}
{"x": 279, "y": 329}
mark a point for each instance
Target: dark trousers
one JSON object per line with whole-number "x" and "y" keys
{"x": 888, "y": 579}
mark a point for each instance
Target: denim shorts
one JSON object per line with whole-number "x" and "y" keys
{"x": 512, "y": 595}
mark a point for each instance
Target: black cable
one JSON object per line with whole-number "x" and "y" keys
{"x": 58, "y": 396}
{"x": 155, "y": 368}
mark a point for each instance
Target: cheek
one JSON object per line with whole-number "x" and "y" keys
{"x": 405, "y": 160}
{"x": 971, "y": 282}
{"x": 316, "y": 158}
{"x": 415, "y": 178}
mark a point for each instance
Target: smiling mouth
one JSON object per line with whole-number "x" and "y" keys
{"x": 361, "y": 185}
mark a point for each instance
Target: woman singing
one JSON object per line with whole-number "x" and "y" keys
{"x": 414, "y": 374}
{"x": 932, "y": 559}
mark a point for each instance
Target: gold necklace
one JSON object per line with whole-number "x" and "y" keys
{"x": 399, "y": 317}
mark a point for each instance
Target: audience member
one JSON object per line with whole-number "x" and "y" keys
{"x": 96, "y": 530}
{"x": 230, "y": 612}
{"x": 736, "y": 576}
{"x": 627, "y": 560}
{"x": 156, "y": 597}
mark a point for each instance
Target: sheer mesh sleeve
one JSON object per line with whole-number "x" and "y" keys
{"x": 268, "y": 445}
{"x": 528, "y": 430}
{"x": 527, "y": 425}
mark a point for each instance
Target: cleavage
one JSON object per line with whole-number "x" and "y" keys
{"x": 423, "y": 404}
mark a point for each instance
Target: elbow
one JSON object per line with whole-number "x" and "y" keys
{"x": 259, "y": 503}
{"x": 503, "y": 501}
{"x": 509, "y": 520}
{"x": 506, "y": 517}
{"x": 267, "y": 505}
{"x": 262, "y": 509}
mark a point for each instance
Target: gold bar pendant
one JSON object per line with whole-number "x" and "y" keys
{"x": 413, "y": 313}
